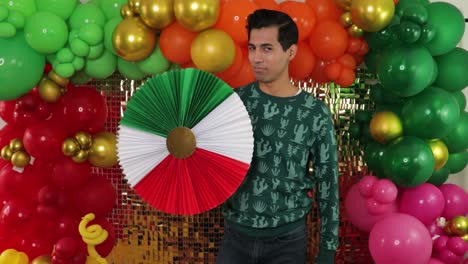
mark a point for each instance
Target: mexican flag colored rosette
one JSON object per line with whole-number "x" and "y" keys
{"x": 185, "y": 142}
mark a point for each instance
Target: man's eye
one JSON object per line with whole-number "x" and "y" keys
{"x": 251, "y": 48}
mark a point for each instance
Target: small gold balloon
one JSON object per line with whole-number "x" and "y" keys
{"x": 157, "y": 14}
{"x": 16, "y": 145}
{"x": 212, "y": 50}
{"x": 343, "y": 4}
{"x": 345, "y": 19}
{"x": 70, "y": 147}
{"x": 385, "y": 126}
{"x": 133, "y": 40}
{"x": 458, "y": 225}
{"x": 134, "y": 5}
{"x": 44, "y": 259}
{"x": 126, "y": 11}
{"x": 84, "y": 139}
{"x": 355, "y": 31}
{"x": 465, "y": 237}
{"x": 372, "y": 15}
{"x": 63, "y": 82}
{"x": 103, "y": 151}
{"x": 49, "y": 90}
{"x": 81, "y": 156}
{"x": 6, "y": 153}
{"x": 439, "y": 151}
{"x": 196, "y": 15}
{"x": 20, "y": 159}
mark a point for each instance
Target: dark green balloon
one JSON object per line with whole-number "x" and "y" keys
{"x": 439, "y": 176}
{"x": 404, "y": 4}
{"x": 382, "y": 96}
{"x": 453, "y": 70}
{"x": 449, "y": 25}
{"x": 373, "y": 156}
{"x": 380, "y": 39}
{"x": 355, "y": 130}
{"x": 457, "y": 139}
{"x": 409, "y": 32}
{"x": 395, "y": 108}
{"x": 364, "y": 116}
{"x": 461, "y": 99}
{"x": 406, "y": 69}
{"x": 408, "y": 161}
{"x": 431, "y": 114}
{"x": 457, "y": 161}
{"x": 371, "y": 60}
{"x": 416, "y": 13}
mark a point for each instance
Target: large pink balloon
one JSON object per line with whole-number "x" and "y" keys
{"x": 425, "y": 202}
{"x": 455, "y": 200}
{"x": 435, "y": 261}
{"x": 400, "y": 239}
{"x": 356, "y": 210}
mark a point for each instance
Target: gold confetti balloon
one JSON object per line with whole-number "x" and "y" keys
{"x": 196, "y": 15}
{"x": 157, "y": 14}
{"x": 133, "y": 40}
{"x": 372, "y": 15}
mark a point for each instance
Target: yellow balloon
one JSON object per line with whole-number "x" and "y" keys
{"x": 70, "y": 147}
{"x": 157, "y": 14}
{"x": 385, "y": 126}
{"x": 44, "y": 259}
{"x": 20, "y": 159}
{"x": 49, "y": 90}
{"x": 372, "y": 15}
{"x": 196, "y": 15}
{"x": 63, "y": 82}
{"x": 16, "y": 145}
{"x": 11, "y": 256}
{"x": 133, "y": 40}
{"x": 134, "y": 5}
{"x": 439, "y": 151}
{"x": 343, "y": 4}
{"x": 212, "y": 50}
{"x": 81, "y": 156}
{"x": 465, "y": 237}
{"x": 355, "y": 31}
{"x": 345, "y": 19}
{"x": 84, "y": 139}
{"x": 458, "y": 225}
{"x": 126, "y": 11}
{"x": 6, "y": 153}
{"x": 103, "y": 152}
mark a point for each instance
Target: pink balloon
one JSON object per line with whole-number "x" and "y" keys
{"x": 455, "y": 200}
{"x": 376, "y": 208}
{"x": 440, "y": 243}
{"x": 400, "y": 238}
{"x": 448, "y": 257}
{"x": 424, "y": 202}
{"x": 457, "y": 245}
{"x": 356, "y": 210}
{"x": 366, "y": 184}
{"x": 385, "y": 191}
{"x": 434, "y": 229}
{"x": 435, "y": 261}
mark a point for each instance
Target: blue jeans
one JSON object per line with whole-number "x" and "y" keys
{"x": 287, "y": 248}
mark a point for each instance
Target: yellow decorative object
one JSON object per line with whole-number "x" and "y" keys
{"x": 134, "y": 5}
{"x": 81, "y": 156}
{"x": 196, "y": 15}
{"x": 70, "y": 147}
{"x": 49, "y": 91}
{"x": 458, "y": 226}
{"x": 440, "y": 152}
{"x": 133, "y": 40}
{"x": 212, "y": 50}
{"x": 20, "y": 159}
{"x": 16, "y": 144}
{"x": 6, "y": 153}
{"x": 44, "y": 259}
{"x": 11, "y": 256}
{"x": 103, "y": 151}
{"x": 385, "y": 126}
{"x": 126, "y": 11}
{"x": 345, "y": 19}
{"x": 157, "y": 14}
{"x": 92, "y": 235}
{"x": 355, "y": 31}
{"x": 16, "y": 153}
{"x": 84, "y": 139}
{"x": 372, "y": 15}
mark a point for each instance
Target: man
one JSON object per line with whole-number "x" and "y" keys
{"x": 266, "y": 217}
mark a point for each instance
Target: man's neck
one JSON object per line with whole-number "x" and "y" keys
{"x": 279, "y": 88}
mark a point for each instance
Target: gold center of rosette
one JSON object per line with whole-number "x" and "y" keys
{"x": 181, "y": 142}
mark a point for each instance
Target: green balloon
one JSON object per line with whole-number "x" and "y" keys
{"x": 3, "y": 12}
{"x": 416, "y": 13}
{"x": 372, "y": 59}
{"x": 108, "y": 31}
{"x": 406, "y": 69}
{"x": 431, "y": 114}
{"x": 461, "y": 99}
{"x": 155, "y": 63}
{"x": 439, "y": 176}
{"x": 381, "y": 96}
{"x": 102, "y": 67}
{"x": 440, "y": 15}
{"x": 408, "y": 161}
{"x": 91, "y": 34}
{"x": 453, "y": 69}
{"x": 80, "y": 77}
{"x": 355, "y": 130}
{"x": 95, "y": 51}
{"x": 87, "y": 14}
{"x": 457, "y": 139}
{"x": 409, "y": 32}
{"x": 395, "y": 108}
{"x": 130, "y": 70}
{"x": 21, "y": 67}
{"x": 405, "y": 4}
{"x": 457, "y": 161}
{"x": 7, "y": 30}
{"x": 16, "y": 19}
{"x": 62, "y": 8}
{"x": 111, "y": 8}
{"x": 364, "y": 116}
{"x": 46, "y": 32}
{"x": 26, "y": 7}
{"x": 79, "y": 47}
{"x": 380, "y": 39}
{"x": 373, "y": 156}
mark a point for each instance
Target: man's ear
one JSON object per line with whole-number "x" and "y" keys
{"x": 292, "y": 51}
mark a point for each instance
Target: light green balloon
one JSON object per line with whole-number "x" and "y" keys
{"x": 87, "y": 14}
{"x": 95, "y": 51}
{"x": 155, "y": 63}
{"x": 7, "y": 30}
{"x": 26, "y": 7}
{"x": 62, "y": 8}
{"x": 79, "y": 47}
{"x": 21, "y": 67}
{"x": 17, "y": 19}
{"x": 91, "y": 34}
{"x": 111, "y": 8}
{"x": 3, "y": 12}
{"x": 102, "y": 67}
{"x": 108, "y": 31}
{"x": 130, "y": 70}
{"x": 46, "y": 32}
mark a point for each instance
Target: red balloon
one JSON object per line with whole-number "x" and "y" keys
{"x": 105, "y": 248}
{"x": 44, "y": 140}
{"x": 14, "y": 184}
{"x": 318, "y": 75}
{"x": 302, "y": 14}
{"x": 244, "y": 76}
{"x": 175, "y": 42}
{"x": 235, "y": 67}
{"x": 18, "y": 218}
{"x": 69, "y": 251}
{"x": 303, "y": 63}
{"x": 98, "y": 196}
{"x": 267, "y": 4}
{"x": 69, "y": 174}
{"x": 6, "y": 111}
{"x": 346, "y": 77}
{"x": 9, "y": 132}
{"x": 347, "y": 61}
{"x": 324, "y": 9}
{"x": 333, "y": 70}
{"x": 328, "y": 40}
{"x": 67, "y": 224}
{"x": 82, "y": 108}
{"x": 38, "y": 243}
{"x": 233, "y": 19}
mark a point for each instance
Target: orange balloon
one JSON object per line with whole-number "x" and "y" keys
{"x": 346, "y": 77}
{"x": 333, "y": 70}
{"x": 233, "y": 19}
{"x": 244, "y": 76}
{"x": 189, "y": 64}
{"x": 267, "y": 4}
{"x": 354, "y": 44}
{"x": 328, "y": 40}
{"x": 235, "y": 67}
{"x": 303, "y": 63}
{"x": 318, "y": 74}
{"x": 347, "y": 61}
{"x": 302, "y": 14}
{"x": 324, "y": 9}
{"x": 175, "y": 42}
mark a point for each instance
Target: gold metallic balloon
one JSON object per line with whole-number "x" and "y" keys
{"x": 84, "y": 139}
{"x": 372, "y": 15}
{"x": 16, "y": 145}
{"x": 212, "y": 50}
{"x": 465, "y": 237}
{"x": 6, "y": 153}
{"x": 103, "y": 152}
{"x": 157, "y": 14}
{"x": 63, "y": 82}
{"x": 134, "y": 5}
{"x": 49, "y": 90}
{"x": 133, "y": 40}
{"x": 20, "y": 159}
{"x": 385, "y": 126}
{"x": 343, "y": 4}
{"x": 81, "y": 156}
{"x": 458, "y": 225}
{"x": 126, "y": 11}
{"x": 345, "y": 19}
{"x": 70, "y": 147}
{"x": 439, "y": 151}
{"x": 44, "y": 259}
{"x": 355, "y": 31}
{"x": 196, "y": 15}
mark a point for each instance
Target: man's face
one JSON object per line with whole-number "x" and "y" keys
{"x": 268, "y": 59}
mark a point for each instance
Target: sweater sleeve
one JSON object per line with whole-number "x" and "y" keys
{"x": 325, "y": 166}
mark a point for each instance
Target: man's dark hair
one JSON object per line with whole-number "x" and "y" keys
{"x": 287, "y": 29}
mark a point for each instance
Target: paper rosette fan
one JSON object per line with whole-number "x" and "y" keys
{"x": 185, "y": 142}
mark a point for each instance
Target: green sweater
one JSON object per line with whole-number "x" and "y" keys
{"x": 289, "y": 132}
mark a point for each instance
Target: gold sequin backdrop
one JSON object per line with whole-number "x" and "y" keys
{"x": 145, "y": 235}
